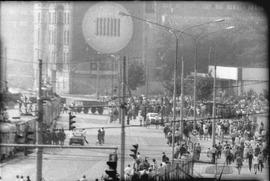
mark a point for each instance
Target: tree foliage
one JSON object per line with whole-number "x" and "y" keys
{"x": 136, "y": 75}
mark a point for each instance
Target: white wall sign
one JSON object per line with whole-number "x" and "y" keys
{"x": 224, "y": 72}
{"x": 104, "y": 29}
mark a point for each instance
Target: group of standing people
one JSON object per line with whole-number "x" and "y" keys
{"x": 142, "y": 169}
{"x": 54, "y": 137}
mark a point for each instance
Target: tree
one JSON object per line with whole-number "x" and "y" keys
{"x": 136, "y": 75}
{"x": 204, "y": 87}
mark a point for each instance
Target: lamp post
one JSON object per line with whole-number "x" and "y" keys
{"x": 214, "y": 100}
{"x": 176, "y": 33}
{"x": 196, "y": 42}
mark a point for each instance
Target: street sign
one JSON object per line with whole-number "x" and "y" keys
{"x": 104, "y": 29}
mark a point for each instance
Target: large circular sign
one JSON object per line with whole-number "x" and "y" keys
{"x": 104, "y": 29}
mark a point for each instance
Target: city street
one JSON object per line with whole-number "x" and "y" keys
{"x": 70, "y": 164}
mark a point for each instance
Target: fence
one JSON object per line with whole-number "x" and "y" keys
{"x": 181, "y": 169}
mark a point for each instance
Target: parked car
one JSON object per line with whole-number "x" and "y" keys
{"x": 77, "y": 138}
{"x": 153, "y": 118}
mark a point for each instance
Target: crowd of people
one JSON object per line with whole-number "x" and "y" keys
{"x": 142, "y": 169}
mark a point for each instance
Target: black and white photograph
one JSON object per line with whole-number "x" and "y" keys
{"x": 134, "y": 90}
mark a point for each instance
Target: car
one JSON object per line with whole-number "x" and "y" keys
{"x": 153, "y": 118}
{"x": 77, "y": 138}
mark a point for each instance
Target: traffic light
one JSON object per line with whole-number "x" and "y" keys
{"x": 29, "y": 138}
{"x": 71, "y": 127}
{"x": 112, "y": 167}
{"x": 135, "y": 151}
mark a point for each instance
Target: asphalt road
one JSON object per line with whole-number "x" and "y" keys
{"x": 70, "y": 164}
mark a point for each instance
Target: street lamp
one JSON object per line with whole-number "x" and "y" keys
{"x": 214, "y": 100}
{"x": 176, "y": 33}
{"x": 196, "y": 42}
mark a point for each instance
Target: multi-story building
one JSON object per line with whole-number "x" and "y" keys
{"x": 52, "y": 31}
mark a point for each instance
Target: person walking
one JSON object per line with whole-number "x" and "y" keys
{"x": 99, "y": 137}
{"x": 239, "y": 163}
{"x": 22, "y": 179}
{"x": 260, "y": 162}
{"x": 255, "y": 163}
{"x": 17, "y": 178}
{"x": 84, "y": 132}
{"x": 128, "y": 173}
{"x": 102, "y": 135}
{"x": 250, "y": 158}
{"x": 198, "y": 151}
{"x": 28, "y": 178}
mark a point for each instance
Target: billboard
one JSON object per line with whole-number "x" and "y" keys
{"x": 254, "y": 74}
{"x": 230, "y": 73}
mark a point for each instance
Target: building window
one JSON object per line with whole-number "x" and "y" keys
{"x": 108, "y": 27}
{"x": 49, "y": 16}
{"x": 39, "y": 17}
{"x": 60, "y": 17}
{"x": 50, "y": 36}
{"x": 38, "y": 36}
{"x": 55, "y": 17}
{"x": 66, "y": 37}
{"x": 149, "y": 7}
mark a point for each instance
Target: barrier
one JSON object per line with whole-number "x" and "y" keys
{"x": 181, "y": 169}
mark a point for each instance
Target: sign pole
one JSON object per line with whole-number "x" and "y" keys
{"x": 123, "y": 109}
{"x": 39, "y": 127}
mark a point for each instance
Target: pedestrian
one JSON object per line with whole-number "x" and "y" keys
{"x": 239, "y": 163}
{"x": 28, "y": 178}
{"x": 227, "y": 155}
{"x": 83, "y": 178}
{"x": 102, "y": 135}
{"x": 260, "y": 161}
{"x": 250, "y": 158}
{"x": 155, "y": 165}
{"x": 219, "y": 150}
{"x": 17, "y": 178}
{"x": 84, "y": 132}
{"x": 22, "y": 179}
{"x": 198, "y": 151}
{"x": 161, "y": 173}
{"x": 128, "y": 173}
{"x": 99, "y": 137}
{"x": 214, "y": 153}
{"x": 257, "y": 150}
{"x": 54, "y": 137}
{"x": 165, "y": 159}
{"x": 255, "y": 163}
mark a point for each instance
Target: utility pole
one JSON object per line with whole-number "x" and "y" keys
{"x": 97, "y": 79}
{"x": 119, "y": 85}
{"x": 195, "y": 84}
{"x": 214, "y": 109}
{"x": 39, "y": 127}
{"x": 174, "y": 99}
{"x": 182, "y": 99}
{"x": 209, "y": 55}
{"x": 113, "y": 60}
{"x": 123, "y": 110}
